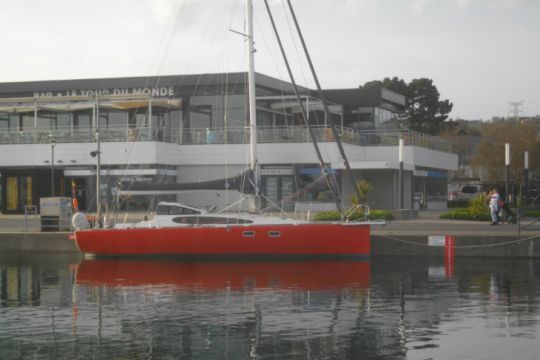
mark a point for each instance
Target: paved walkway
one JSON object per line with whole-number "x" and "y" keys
{"x": 427, "y": 223}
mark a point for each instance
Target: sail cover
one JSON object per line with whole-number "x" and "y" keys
{"x": 242, "y": 182}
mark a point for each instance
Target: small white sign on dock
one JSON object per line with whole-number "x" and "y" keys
{"x": 436, "y": 240}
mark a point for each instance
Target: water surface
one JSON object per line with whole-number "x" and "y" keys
{"x": 58, "y": 307}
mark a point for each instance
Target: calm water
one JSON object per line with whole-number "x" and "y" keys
{"x": 55, "y": 307}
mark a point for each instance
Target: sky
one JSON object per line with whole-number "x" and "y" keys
{"x": 481, "y": 54}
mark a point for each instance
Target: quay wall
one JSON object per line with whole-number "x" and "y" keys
{"x": 37, "y": 242}
{"x": 499, "y": 246}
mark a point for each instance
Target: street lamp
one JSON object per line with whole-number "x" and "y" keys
{"x": 526, "y": 176}
{"x": 400, "y": 173}
{"x": 507, "y": 167}
{"x": 53, "y": 143}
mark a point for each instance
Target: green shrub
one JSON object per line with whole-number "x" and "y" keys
{"x": 332, "y": 215}
{"x": 532, "y": 213}
{"x": 466, "y": 214}
{"x": 335, "y": 215}
{"x": 477, "y": 206}
{"x": 381, "y": 214}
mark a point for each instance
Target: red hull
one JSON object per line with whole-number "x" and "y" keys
{"x": 298, "y": 240}
{"x": 306, "y": 275}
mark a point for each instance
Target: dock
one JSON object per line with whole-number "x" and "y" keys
{"x": 404, "y": 237}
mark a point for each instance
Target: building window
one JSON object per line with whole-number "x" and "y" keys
{"x": 200, "y": 117}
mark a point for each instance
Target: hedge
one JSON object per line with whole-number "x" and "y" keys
{"x": 335, "y": 215}
{"x": 466, "y": 214}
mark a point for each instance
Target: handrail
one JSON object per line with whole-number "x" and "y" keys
{"x": 239, "y": 135}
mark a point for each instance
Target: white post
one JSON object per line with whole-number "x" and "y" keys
{"x": 526, "y": 176}
{"x": 507, "y": 168}
{"x": 400, "y": 159}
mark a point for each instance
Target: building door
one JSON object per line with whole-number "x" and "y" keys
{"x": 275, "y": 190}
{"x": 12, "y": 193}
{"x": 18, "y": 193}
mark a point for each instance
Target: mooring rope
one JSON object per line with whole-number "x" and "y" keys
{"x": 535, "y": 237}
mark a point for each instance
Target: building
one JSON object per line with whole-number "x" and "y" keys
{"x": 192, "y": 128}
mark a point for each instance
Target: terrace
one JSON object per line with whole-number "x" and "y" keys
{"x": 291, "y": 134}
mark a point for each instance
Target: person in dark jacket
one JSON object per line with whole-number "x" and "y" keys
{"x": 507, "y": 215}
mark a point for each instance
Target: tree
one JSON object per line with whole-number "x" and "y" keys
{"x": 464, "y": 137}
{"x": 424, "y": 112}
{"x": 490, "y": 155}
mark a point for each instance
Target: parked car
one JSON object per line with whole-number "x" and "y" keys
{"x": 465, "y": 192}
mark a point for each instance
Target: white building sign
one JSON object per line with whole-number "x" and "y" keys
{"x": 146, "y": 91}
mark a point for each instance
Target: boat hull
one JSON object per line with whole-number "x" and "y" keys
{"x": 309, "y": 239}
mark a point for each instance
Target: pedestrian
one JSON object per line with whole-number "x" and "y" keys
{"x": 494, "y": 199}
{"x": 506, "y": 213}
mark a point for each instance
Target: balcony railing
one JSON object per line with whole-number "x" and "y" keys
{"x": 295, "y": 134}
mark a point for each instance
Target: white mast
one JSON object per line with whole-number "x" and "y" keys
{"x": 252, "y": 106}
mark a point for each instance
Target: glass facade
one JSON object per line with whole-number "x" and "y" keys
{"x": 432, "y": 186}
{"x": 118, "y": 119}
{"x": 370, "y": 118}
{"x": 217, "y": 111}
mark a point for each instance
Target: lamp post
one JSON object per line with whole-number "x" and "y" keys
{"x": 53, "y": 143}
{"x": 526, "y": 176}
{"x": 400, "y": 158}
{"x": 507, "y": 166}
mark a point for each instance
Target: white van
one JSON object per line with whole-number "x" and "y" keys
{"x": 465, "y": 192}
{"x": 468, "y": 192}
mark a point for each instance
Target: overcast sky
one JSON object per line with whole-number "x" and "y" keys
{"x": 481, "y": 54}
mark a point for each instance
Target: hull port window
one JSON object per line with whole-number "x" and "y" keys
{"x": 249, "y": 233}
{"x": 274, "y": 233}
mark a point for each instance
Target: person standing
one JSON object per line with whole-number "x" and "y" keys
{"x": 494, "y": 199}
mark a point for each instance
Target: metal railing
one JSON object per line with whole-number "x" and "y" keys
{"x": 79, "y": 134}
{"x": 190, "y": 136}
{"x": 300, "y": 134}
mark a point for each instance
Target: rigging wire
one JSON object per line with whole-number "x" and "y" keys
{"x": 325, "y": 104}
{"x": 315, "y": 115}
{"x": 339, "y": 201}
{"x": 201, "y": 86}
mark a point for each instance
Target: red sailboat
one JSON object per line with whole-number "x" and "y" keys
{"x": 200, "y": 233}
{"x": 177, "y": 229}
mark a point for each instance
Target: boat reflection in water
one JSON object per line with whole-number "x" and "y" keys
{"x": 230, "y": 310}
{"x": 306, "y": 275}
